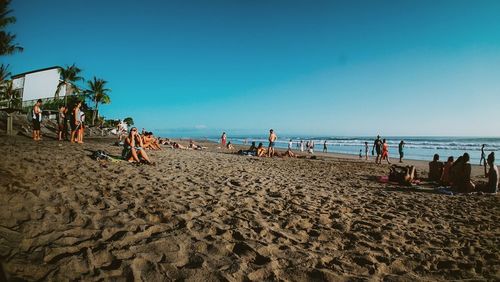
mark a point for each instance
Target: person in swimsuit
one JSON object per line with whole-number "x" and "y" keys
{"x": 377, "y": 146}
{"x": 37, "y": 119}
{"x": 400, "y": 149}
{"x": 325, "y": 148}
{"x": 446, "y": 175}
{"x": 261, "y": 151}
{"x": 492, "y": 185}
{"x": 60, "y": 122}
{"x": 272, "y": 141}
{"x": 462, "y": 181}
{"x": 75, "y": 122}
{"x": 133, "y": 148}
{"x": 302, "y": 145}
{"x": 435, "y": 169}
{"x": 483, "y": 157}
{"x": 385, "y": 152}
{"x": 223, "y": 140}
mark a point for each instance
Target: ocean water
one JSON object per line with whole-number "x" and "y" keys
{"x": 416, "y": 148}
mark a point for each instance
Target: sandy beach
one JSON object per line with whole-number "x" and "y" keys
{"x": 214, "y": 216}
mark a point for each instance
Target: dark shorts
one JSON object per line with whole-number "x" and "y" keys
{"x": 36, "y": 124}
{"x": 401, "y": 154}
{"x": 377, "y": 150}
{"x": 271, "y": 144}
{"x": 73, "y": 126}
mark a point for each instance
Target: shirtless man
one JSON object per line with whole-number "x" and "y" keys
{"x": 492, "y": 185}
{"x": 272, "y": 141}
{"x": 377, "y": 146}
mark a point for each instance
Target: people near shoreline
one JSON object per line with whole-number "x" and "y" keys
{"x": 229, "y": 146}
{"x": 194, "y": 146}
{"x": 366, "y": 150}
{"x": 223, "y": 139}
{"x": 377, "y": 147}
{"x": 385, "y": 152}
{"x": 261, "y": 151}
{"x": 302, "y": 145}
{"x": 133, "y": 150}
{"x": 325, "y": 147}
{"x": 483, "y": 156}
{"x": 461, "y": 181}
{"x": 401, "y": 150}
{"x": 290, "y": 144}
{"x": 272, "y": 142}
{"x": 252, "y": 151}
{"x": 37, "y": 119}
{"x": 310, "y": 147}
{"x": 492, "y": 185}
{"x": 446, "y": 175}
{"x": 75, "y": 122}
{"x": 61, "y": 119}
{"x": 360, "y": 154}
{"x": 435, "y": 169}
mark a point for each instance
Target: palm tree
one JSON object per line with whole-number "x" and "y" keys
{"x": 69, "y": 76}
{"x": 99, "y": 94}
{"x": 7, "y": 45}
{"x": 4, "y": 73}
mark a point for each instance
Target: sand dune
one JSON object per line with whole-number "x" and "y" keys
{"x": 212, "y": 216}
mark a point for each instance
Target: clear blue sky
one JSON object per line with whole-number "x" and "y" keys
{"x": 313, "y": 67}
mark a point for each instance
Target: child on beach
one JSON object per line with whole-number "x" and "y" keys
{"x": 366, "y": 150}
{"x": 360, "y": 154}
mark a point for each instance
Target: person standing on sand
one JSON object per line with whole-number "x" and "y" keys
{"x": 377, "y": 146}
{"x": 400, "y": 148}
{"x": 483, "y": 156}
{"x": 325, "y": 148}
{"x": 272, "y": 142}
{"x": 60, "y": 122}
{"x": 290, "y": 144}
{"x": 366, "y": 150}
{"x": 223, "y": 140}
{"x": 385, "y": 152}
{"x": 302, "y": 145}
{"x": 75, "y": 122}
{"x": 37, "y": 119}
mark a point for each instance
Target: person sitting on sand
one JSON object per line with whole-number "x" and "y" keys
{"x": 462, "y": 181}
{"x": 133, "y": 149}
{"x": 492, "y": 185}
{"x": 435, "y": 169}
{"x": 261, "y": 151}
{"x": 150, "y": 142}
{"x": 446, "y": 175}
{"x": 176, "y": 145}
{"x": 230, "y": 146}
{"x": 289, "y": 154}
{"x": 252, "y": 151}
{"x": 385, "y": 152}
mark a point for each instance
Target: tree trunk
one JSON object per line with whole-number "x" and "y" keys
{"x": 96, "y": 111}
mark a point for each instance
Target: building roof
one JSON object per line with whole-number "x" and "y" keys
{"x": 33, "y": 71}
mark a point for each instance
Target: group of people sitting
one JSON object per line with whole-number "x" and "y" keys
{"x": 457, "y": 174}
{"x": 261, "y": 151}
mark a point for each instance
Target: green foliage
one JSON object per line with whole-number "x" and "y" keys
{"x": 129, "y": 121}
{"x": 69, "y": 76}
{"x": 98, "y": 93}
{"x": 7, "y": 45}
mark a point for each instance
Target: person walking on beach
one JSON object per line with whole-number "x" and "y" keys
{"x": 302, "y": 145}
{"x": 325, "y": 148}
{"x": 385, "y": 152}
{"x": 272, "y": 141}
{"x": 223, "y": 140}
{"x": 483, "y": 156}
{"x": 400, "y": 148}
{"x": 37, "y": 118}
{"x": 377, "y": 146}
{"x": 366, "y": 150}
{"x": 290, "y": 144}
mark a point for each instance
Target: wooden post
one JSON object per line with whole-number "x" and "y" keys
{"x": 10, "y": 119}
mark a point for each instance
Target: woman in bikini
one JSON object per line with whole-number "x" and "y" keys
{"x": 134, "y": 148}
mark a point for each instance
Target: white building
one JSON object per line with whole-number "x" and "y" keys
{"x": 39, "y": 84}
